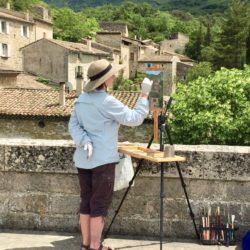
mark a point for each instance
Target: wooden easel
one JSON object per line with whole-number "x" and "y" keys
{"x": 160, "y": 123}
{"x": 156, "y": 112}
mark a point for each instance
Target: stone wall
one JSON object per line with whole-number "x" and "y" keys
{"x": 30, "y": 129}
{"x": 110, "y": 39}
{"x": 46, "y": 59}
{"x": 176, "y": 44}
{"x": 39, "y": 189}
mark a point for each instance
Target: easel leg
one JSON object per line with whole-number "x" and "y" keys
{"x": 127, "y": 190}
{"x": 162, "y": 196}
{"x": 183, "y": 185}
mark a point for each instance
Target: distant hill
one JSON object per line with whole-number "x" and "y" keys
{"x": 196, "y": 7}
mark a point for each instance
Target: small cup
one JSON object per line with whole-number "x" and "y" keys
{"x": 169, "y": 151}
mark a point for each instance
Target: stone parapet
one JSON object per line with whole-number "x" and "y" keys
{"x": 39, "y": 189}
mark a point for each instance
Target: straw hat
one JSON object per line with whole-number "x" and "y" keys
{"x": 98, "y": 72}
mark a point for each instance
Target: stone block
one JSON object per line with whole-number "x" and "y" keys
{"x": 183, "y": 229}
{"x": 4, "y": 202}
{"x": 64, "y": 183}
{"x": 207, "y": 190}
{"x": 6, "y": 181}
{"x": 14, "y": 220}
{"x": 246, "y": 213}
{"x": 135, "y": 226}
{"x": 238, "y": 191}
{"x": 141, "y": 207}
{"x": 176, "y": 209}
{"x": 2, "y": 158}
{"x": 31, "y": 202}
{"x": 150, "y": 186}
{"x": 66, "y": 223}
{"x": 64, "y": 204}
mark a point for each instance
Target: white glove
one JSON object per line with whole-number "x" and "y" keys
{"x": 88, "y": 146}
{"x": 146, "y": 86}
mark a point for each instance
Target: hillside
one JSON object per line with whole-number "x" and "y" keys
{"x": 196, "y": 7}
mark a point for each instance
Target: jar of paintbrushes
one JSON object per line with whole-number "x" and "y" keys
{"x": 217, "y": 228}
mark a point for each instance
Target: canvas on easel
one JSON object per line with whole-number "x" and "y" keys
{"x": 155, "y": 72}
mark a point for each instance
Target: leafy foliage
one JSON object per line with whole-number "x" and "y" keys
{"x": 72, "y": 26}
{"x": 20, "y": 5}
{"x": 203, "y": 69}
{"x": 124, "y": 84}
{"x": 192, "y": 6}
{"x": 213, "y": 110}
{"x": 143, "y": 20}
{"x": 229, "y": 45}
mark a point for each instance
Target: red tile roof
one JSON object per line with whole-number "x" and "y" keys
{"x": 45, "y": 103}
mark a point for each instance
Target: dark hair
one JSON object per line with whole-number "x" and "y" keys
{"x": 101, "y": 86}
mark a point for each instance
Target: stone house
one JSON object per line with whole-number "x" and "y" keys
{"x": 176, "y": 43}
{"x": 115, "y": 26}
{"x": 8, "y": 76}
{"x": 61, "y": 61}
{"x": 173, "y": 66}
{"x": 44, "y": 114}
{"x": 19, "y": 29}
{"x": 131, "y": 50}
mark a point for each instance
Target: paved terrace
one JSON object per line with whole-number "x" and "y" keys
{"x": 28, "y": 240}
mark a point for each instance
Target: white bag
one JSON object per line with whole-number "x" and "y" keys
{"x": 124, "y": 172}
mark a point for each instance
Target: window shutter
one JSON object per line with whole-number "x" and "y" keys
{"x": 21, "y": 30}
{"x": 1, "y": 26}
{"x": 7, "y": 27}
{"x": 28, "y": 31}
{"x": 1, "y": 49}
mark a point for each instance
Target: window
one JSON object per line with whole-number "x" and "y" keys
{"x": 132, "y": 56}
{"x": 4, "y": 27}
{"x": 4, "y": 50}
{"x": 25, "y": 30}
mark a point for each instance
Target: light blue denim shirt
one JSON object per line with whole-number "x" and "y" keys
{"x": 96, "y": 118}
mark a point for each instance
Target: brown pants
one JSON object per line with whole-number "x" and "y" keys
{"x": 96, "y": 187}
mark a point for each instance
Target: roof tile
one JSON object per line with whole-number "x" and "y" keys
{"x": 45, "y": 102}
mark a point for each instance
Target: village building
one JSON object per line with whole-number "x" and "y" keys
{"x": 19, "y": 29}
{"x": 61, "y": 61}
{"x": 131, "y": 50}
{"x": 44, "y": 114}
{"x": 173, "y": 67}
{"x": 176, "y": 43}
{"x": 116, "y": 27}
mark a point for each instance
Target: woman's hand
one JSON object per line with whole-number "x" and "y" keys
{"x": 146, "y": 87}
{"x": 89, "y": 147}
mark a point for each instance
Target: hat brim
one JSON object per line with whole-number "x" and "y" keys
{"x": 92, "y": 85}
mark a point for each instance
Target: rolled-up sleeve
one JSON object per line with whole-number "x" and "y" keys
{"x": 123, "y": 114}
{"x": 77, "y": 131}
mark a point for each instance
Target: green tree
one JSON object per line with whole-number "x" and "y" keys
{"x": 229, "y": 47}
{"x": 122, "y": 84}
{"x": 20, "y": 5}
{"x": 194, "y": 47}
{"x": 202, "y": 69}
{"x": 72, "y": 26}
{"x": 248, "y": 48}
{"x": 214, "y": 109}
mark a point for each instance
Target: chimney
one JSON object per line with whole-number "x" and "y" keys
{"x": 62, "y": 94}
{"x": 79, "y": 85}
{"x": 27, "y": 15}
{"x": 89, "y": 44}
{"x": 8, "y": 5}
